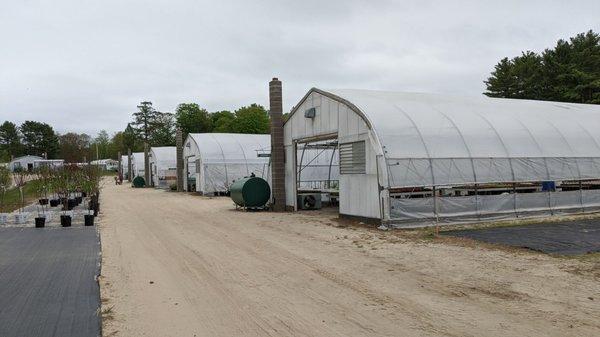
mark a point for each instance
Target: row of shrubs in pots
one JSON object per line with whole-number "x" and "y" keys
{"x": 66, "y": 187}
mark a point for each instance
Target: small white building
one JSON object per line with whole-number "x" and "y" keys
{"x": 26, "y": 163}
{"x": 407, "y": 158}
{"x": 106, "y": 164}
{"x": 163, "y": 165}
{"x": 213, "y": 161}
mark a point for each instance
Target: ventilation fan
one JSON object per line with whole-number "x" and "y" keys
{"x": 309, "y": 201}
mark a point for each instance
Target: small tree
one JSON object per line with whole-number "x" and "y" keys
{"x": 20, "y": 176}
{"x": 5, "y": 183}
{"x": 43, "y": 186}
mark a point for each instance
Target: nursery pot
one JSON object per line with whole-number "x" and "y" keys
{"x": 78, "y": 200}
{"x": 40, "y": 222}
{"x": 54, "y": 202}
{"x": 96, "y": 209}
{"x": 83, "y": 194}
{"x": 89, "y": 219}
{"x": 43, "y": 201}
{"x": 65, "y": 220}
{"x": 71, "y": 203}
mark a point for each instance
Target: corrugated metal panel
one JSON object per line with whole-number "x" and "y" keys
{"x": 353, "y": 158}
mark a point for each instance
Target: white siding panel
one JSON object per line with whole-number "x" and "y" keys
{"x": 352, "y": 123}
{"x": 343, "y": 121}
{"x": 334, "y": 115}
{"x": 290, "y": 179}
{"x": 287, "y": 134}
{"x": 324, "y": 114}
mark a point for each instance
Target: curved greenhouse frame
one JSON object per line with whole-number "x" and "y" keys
{"x": 213, "y": 161}
{"x": 459, "y": 159}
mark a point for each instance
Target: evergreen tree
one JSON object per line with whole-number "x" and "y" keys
{"x": 570, "y": 72}
{"x": 10, "y": 141}
{"x": 39, "y": 139}
{"x": 145, "y": 121}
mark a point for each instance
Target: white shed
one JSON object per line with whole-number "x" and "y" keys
{"x": 26, "y": 163}
{"x": 213, "y": 161}
{"x": 163, "y": 165}
{"x": 407, "y": 158}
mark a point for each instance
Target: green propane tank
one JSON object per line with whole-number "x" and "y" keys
{"x": 250, "y": 192}
{"x": 138, "y": 182}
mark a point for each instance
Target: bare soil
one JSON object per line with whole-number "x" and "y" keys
{"x": 183, "y": 265}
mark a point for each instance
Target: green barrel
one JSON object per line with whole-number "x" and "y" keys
{"x": 251, "y": 192}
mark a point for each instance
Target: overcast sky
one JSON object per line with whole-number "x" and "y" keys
{"x": 84, "y": 65}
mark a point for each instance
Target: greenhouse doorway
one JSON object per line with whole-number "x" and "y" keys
{"x": 317, "y": 174}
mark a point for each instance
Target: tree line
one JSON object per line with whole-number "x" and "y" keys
{"x": 148, "y": 125}
{"x": 569, "y": 72}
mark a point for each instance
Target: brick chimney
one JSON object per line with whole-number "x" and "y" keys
{"x": 179, "y": 145}
{"x": 277, "y": 150}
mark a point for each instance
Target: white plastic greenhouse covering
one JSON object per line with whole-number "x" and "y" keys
{"x": 222, "y": 158}
{"x": 432, "y": 140}
{"x": 163, "y": 161}
{"x": 137, "y": 164}
{"x": 124, "y": 165}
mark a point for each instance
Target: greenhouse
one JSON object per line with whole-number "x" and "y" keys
{"x": 410, "y": 158}
{"x": 163, "y": 166}
{"x": 213, "y": 161}
{"x": 137, "y": 165}
{"x": 124, "y": 166}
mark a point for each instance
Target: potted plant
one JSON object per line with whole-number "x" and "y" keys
{"x": 20, "y": 177}
{"x": 62, "y": 183}
{"x": 44, "y": 178}
{"x": 91, "y": 187}
{"x": 5, "y": 184}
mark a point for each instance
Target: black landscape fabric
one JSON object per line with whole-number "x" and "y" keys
{"x": 565, "y": 238}
{"x": 48, "y": 282}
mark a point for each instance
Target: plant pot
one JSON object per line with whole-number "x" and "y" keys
{"x": 54, "y": 202}
{"x": 40, "y": 222}
{"x": 21, "y": 218}
{"x": 83, "y": 194}
{"x": 65, "y": 220}
{"x": 78, "y": 200}
{"x": 89, "y": 219}
{"x": 3, "y": 218}
{"x": 43, "y": 201}
{"x": 71, "y": 203}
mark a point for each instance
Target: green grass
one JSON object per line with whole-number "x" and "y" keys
{"x": 12, "y": 198}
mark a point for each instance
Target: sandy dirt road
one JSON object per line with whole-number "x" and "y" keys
{"x": 183, "y": 265}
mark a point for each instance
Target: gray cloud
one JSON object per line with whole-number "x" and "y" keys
{"x": 84, "y": 65}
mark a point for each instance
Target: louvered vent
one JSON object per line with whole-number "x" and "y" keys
{"x": 353, "y": 158}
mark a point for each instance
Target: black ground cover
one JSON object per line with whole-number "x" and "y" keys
{"x": 48, "y": 282}
{"x": 565, "y": 238}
